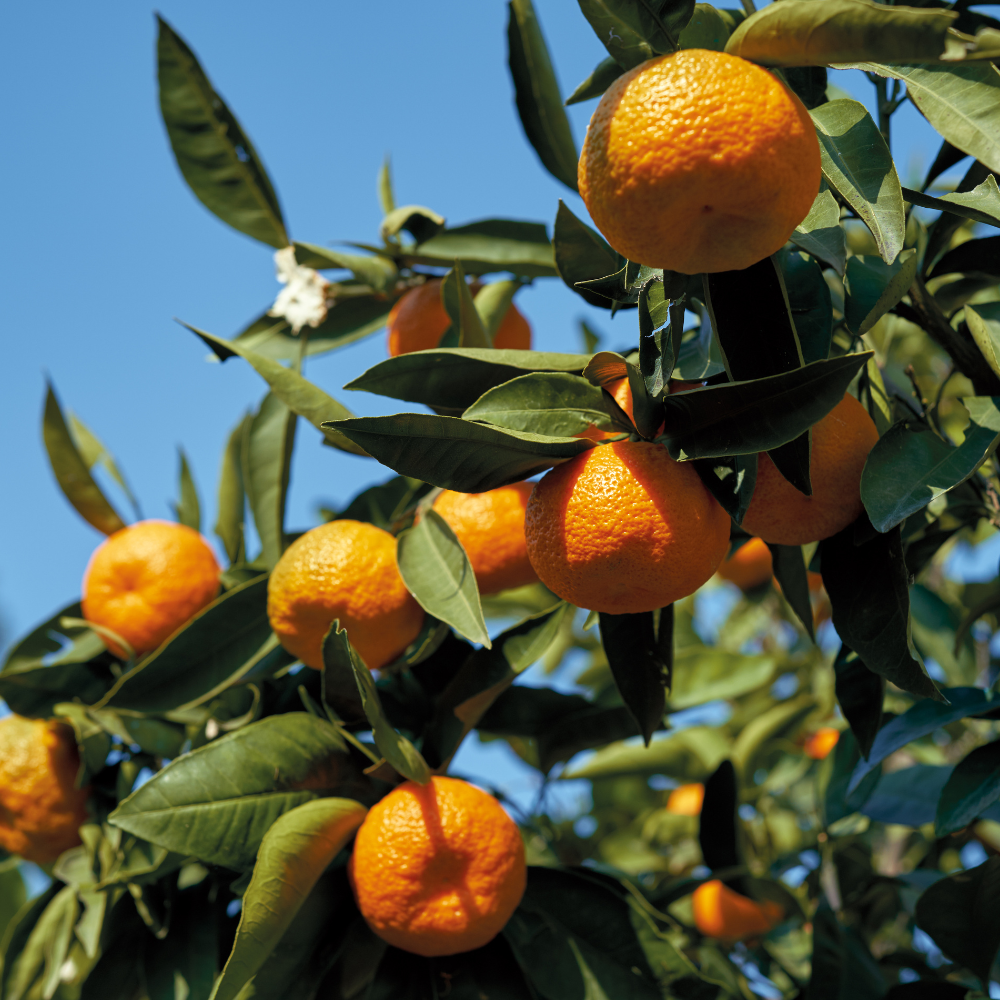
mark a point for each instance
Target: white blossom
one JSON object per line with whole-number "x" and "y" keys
{"x": 303, "y": 300}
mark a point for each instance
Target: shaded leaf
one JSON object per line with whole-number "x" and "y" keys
{"x": 780, "y": 720}
{"x": 93, "y": 452}
{"x": 981, "y": 204}
{"x": 986, "y": 334}
{"x": 215, "y": 156}
{"x": 605, "y": 73}
{"x": 188, "y": 508}
{"x": 836, "y": 771}
{"x": 635, "y": 30}
{"x": 860, "y": 694}
{"x": 974, "y": 257}
{"x": 842, "y": 964}
{"x": 232, "y": 502}
{"x": 717, "y": 835}
{"x": 492, "y": 302}
{"x": 730, "y": 479}
{"x": 810, "y": 304}
{"x": 39, "y": 963}
{"x": 820, "y": 232}
{"x": 378, "y": 272}
{"x": 874, "y": 287}
{"x": 420, "y": 222}
{"x": 582, "y": 254}
{"x": 790, "y": 572}
{"x": 973, "y": 785}
{"x": 458, "y": 303}
{"x": 523, "y": 248}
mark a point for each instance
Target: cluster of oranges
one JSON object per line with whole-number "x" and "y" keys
{"x": 694, "y": 162}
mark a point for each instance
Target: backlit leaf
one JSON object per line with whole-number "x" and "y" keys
{"x": 232, "y": 501}
{"x": 874, "y": 287}
{"x": 820, "y": 232}
{"x": 981, "y": 204}
{"x": 188, "y": 508}
{"x": 986, "y": 334}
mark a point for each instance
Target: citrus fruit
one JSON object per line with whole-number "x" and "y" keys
{"x": 749, "y": 566}
{"x": 699, "y": 161}
{"x": 782, "y": 515}
{"x": 342, "y": 570}
{"x": 145, "y": 581}
{"x": 41, "y": 808}
{"x": 418, "y": 321}
{"x": 623, "y": 528}
{"x": 686, "y": 800}
{"x": 490, "y": 527}
{"x": 720, "y": 912}
{"x": 819, "y": 744}
{"x": 622, "y": 392}
{"x": 438, "y": 868}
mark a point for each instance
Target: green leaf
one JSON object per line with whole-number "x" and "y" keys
{"x": 709, "y": 28}
{"x": 523, "y": 248}
{"x": 582, "y": 255}
{"x": 573, "y": 936}
{"x": 820, "y": 232}
{"x": 552, "y": 403}
{"x": 492, "y": 302}
{"x": 743, "y": 418}
{"x": 217, "y": 648}
{"x": 266, "y": 460}
{"x": 297, "y": 393}
{"x": 185, "y": 961}
{"x": 810, "y": 304}
{"x": 92, "y": 741}
{"x": 217, "y": 802}
{"x": 386, "y": 198}
{"x": 93, "y": 452}
{"x": 457, "y": 454}
{"x": 835, "y": 775}
{"x": 790, "y": 572}
{"x": 398, "y": 751}
{"x": 910, "y": 466}
{"x": 640, "y": 652}
{"x": 454, "y": 378}
{"x": 635, "y": 30}
{"x": 986, "y": 334}
{"x": 981, "y": 204}
{"x": 867, "y": 584}
{"x": 458, "y": 303}
{"x": 536, "y": 92}
{"x": 437, "y": 572}
{"x": 188, "y": 508}
{"x": 842, "y": 964}
{"x": 216, "y": 158}
{"x": 779, "y": 721}
{"x": 293, "y": 854}
{"x": 731, "y": 480}
{"x": 709, "y": 674}
{"x": 972, "y": 787}
{"x": 605, "y": 73}
{"x": 41, "y": 959}
{"x": 799, "y": 34}
{"x": 384, "y": 504}
{"x": 378, "y": 272}
{"x": 973, "y": 258}
{"x": 962, "y": 915}
{"x": 860, "y": 694}
{"x": 338, "y": 689}
{"x": 421, "y": 223}
{"x": 857, "y": 164}
{"x": 873, "y": 287}
{"x": 717, "y": 824}
{"x": 960, "y": 100}
{"x": 232, "y": 502}
{"x": 71, "y": 471}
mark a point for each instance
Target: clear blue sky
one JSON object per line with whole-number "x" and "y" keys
{"x": 105, "y": 244}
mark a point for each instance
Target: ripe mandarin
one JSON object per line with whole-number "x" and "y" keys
{"x": 145, "y": 581}
{"x": 623, "y": 528}
{"x": 699, "y": 161}
{"x": 41, "y": 808}
{"x": 418, "y": 321}
{"x": 749, "y": 566}
{"x": 490, "y": 527}
{"x": 686, "y": 800}
{"x": 342, "y": 570}
{"x": 721, "y": 913}
{"x": 439, "y": 868}
{"x": 782, "y": 515}
{"x": 819, "y": 744}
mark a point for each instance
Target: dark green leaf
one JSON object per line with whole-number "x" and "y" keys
{"x": 837, "y": 770}
{"x": 188, "y": 508}
{"x": 820, "y": 232}
{"x": 709, "y": 28}
{"x": 972, "y": 787}
{"x": 339, "y": 690}
{"x": 873, "y": 287}
{"x": 185, "y": 961}
{"x": 730, "y": 479}
{"x": 962, "y": 915}
{"x": 384, "y": 504}
{"x": 860, "y": 694}
{"x": 71, "y": 471}
{"x": 635, "y": 30}
{"x": 717, "y": 835}
{"x": 539, "y": 103}
{"x": 454, "y": 378}
{"x": 867, "y": 584}
{"x": 215, "y": 156}
{"x": 986, "y": 334}
{"x": 981, "y": 204}
{"x": 458, "y": 454}
{"x": 778, "y": 722}
{"x": 457, "y": 301}
{"x": 266, "y": 460}
{"x": 582, "y": 255}
{"x": 974, "y": 257}
{"x": 437, "y": 572}
{"x": 492, "y": 302}
{"x": 707, "y": 674}
{"x": 640, "y": 652}
{"x": 421, "y": 223}
{"x": 93, "y": 452}
{"x": 217, "y": 802}
{"x": 293, "y": 854}
{"x": 810, "y": 304}
{"x": 232, "y": 502}
{"x": 378, "y": 272}
{"x": 790, "y": 572}
{"x": 386, "y": 197}
{"x": 857, "y": 163}
{"x": 842, "y": 964}
{"x": 910, "y": 465}
{"x": 605, "y": 73}
{"x": 38, "y": 965}
{"x": 523, "y": 248}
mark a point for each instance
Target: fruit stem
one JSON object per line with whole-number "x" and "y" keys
{"x": 749, "y": 7}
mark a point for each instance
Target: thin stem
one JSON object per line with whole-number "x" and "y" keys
{"x": 749, "y": 7}
{"x": 357, "y": 743}
{"x": 303, "y": 349}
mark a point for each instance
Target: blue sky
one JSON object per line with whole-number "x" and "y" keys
{"x": 105, "y": 244}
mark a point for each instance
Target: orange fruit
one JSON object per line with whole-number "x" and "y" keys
{"x": 821, "y": 742}
{"x": 686, "y": 800}
{"x": 699, "y": 161}
{"x": 782, "y": 515}
{"x": 438, "y": 868}
{"x": 490, "y": 527}
{"x": 721, "y": 913}
{"x": 41, "y": 808}
{"x": 749, "y": 566}
{"x": 419, "y": 320}
{"x": 623, "y": 528}
{"x": 342, "y": 570}
{"x": 145, "y": 581}
{"x": 622, "y": 392}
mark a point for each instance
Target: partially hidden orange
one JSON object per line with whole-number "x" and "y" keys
{"x": 749, "y": 566}
{"x": 41, "y": 809}
{"x": 418, "y": 321}
{"x": 720, "y": 912}
{"x": 699, "y": 161}
{"x": 623, "y": 528}
{"x": 439, "y": 868}
{"x": 686, "y": 800}
{"x": 819, "y": 744}
{"x": 780, "y": 514}
{"x": 147, "y": 580}
{"x": 343, "y": 570}
{"x": 490, "y": 527}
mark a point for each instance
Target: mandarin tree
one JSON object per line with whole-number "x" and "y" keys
{"x": 720, "y": 551}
